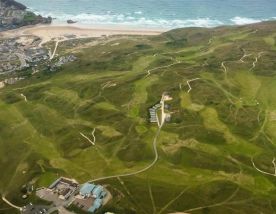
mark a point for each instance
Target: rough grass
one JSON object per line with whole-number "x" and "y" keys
{"x": 205, "y": 151}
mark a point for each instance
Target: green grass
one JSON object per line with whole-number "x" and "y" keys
{"x": 204, "y": 152}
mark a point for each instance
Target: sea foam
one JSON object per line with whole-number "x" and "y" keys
{"x": 156, "y": 13}
{"x": 122, "y": 19}
{"x": 243, "y": 20}
{"x": 137, "y": 19}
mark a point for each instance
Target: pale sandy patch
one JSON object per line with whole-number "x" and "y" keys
{"x": 49, "y": 32}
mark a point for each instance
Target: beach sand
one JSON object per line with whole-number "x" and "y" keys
{"x": 65, "y": 32}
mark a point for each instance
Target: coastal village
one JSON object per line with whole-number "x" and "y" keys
{"x": 26, "y": 52}
{"x": 19, "y": 53}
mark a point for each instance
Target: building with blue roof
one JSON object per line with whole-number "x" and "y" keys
{"x": 87, "y": 189}
{"x": 97, "y": 204}
{"x": 103, "y": 194}
{"x": 97, "y": 191}
{"x": 91, "y": 197}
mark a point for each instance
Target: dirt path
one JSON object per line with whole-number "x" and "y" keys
{"x": 244, "y": 56}
{"x": 93, "y": 135}
{"x": 11, "y": 204}
{"x": 256, "y": 60}
{"x": 156, "y": 154}
{"x": 130, "y": 195}
{"x": 263, "y": 172}
{"x": 188, "y": 83}
{"x": 25, "y": 98}
{"x": 161, "y": 67}
{"x": 226, "y": 201}
{"x": 108, "y": 84}
{"x": 152, "y": 199}
{"x": 172, "y": 201}
{"x": 224, "y": 67}
{"x": 55, "y": 49}
{"x": 87, "y": 138}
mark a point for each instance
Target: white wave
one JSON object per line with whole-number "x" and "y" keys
{"x": 127, "y": 19}
{"x": 130, "y": 19}
{"x": 243, "y": 20}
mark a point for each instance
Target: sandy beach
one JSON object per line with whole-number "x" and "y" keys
{"x": 64, "y": 32}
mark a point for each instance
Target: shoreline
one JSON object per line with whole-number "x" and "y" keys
{"x": 78, "y": 31}
{"x": 63, "y": 32}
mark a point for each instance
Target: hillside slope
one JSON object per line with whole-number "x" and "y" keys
{"x": 215, "y": 155}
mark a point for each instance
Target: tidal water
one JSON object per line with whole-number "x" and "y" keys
{"x": 156, "y": 13}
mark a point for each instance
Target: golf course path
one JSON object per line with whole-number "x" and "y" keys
{"x": 263, "y": 172}
{"x": 188, "y": 83}
{"x": 244, "y": 56}
{"x": 87, "y": 138}
{"x": 154, "y": 144}
{"x": 25, "y": 98}
{"x": 161, "y": 67}
{"x": 11, "y": 204}
{"x": 224, "y": 67}
{"x": 226, "y": 201}
{"x": 93, "y": 134}
{"x": 256, "y": 60}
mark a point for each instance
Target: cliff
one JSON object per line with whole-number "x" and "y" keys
{"x": 14, "y": 15}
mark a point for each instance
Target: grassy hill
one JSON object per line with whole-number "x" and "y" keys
{"x": 215, "y": 156}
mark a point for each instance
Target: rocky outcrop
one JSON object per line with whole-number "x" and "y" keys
{"x": 71, "y": 21}
{"x": 14, "y": 15}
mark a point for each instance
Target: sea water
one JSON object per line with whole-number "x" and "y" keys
{"x": 156, "y": 13}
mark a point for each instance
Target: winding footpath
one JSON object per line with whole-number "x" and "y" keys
{"x": 188, "y": 83}
{"x": 11, "y": 204}
{"x": 161, "y": 67}
{"x": 25, "y": 98}
{"x": 263, "y": 172}
{"x": 154, "y": 144}
{"x": 244, "y": 56}
{"x": 256, "y": 60}
{"x": 224, "y": 67}
{"x": 155, "y": 150}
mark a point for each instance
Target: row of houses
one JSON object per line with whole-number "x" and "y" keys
{"x": 153, "y": 113}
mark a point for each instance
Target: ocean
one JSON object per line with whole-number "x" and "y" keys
{"x": 156, "y": 13}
